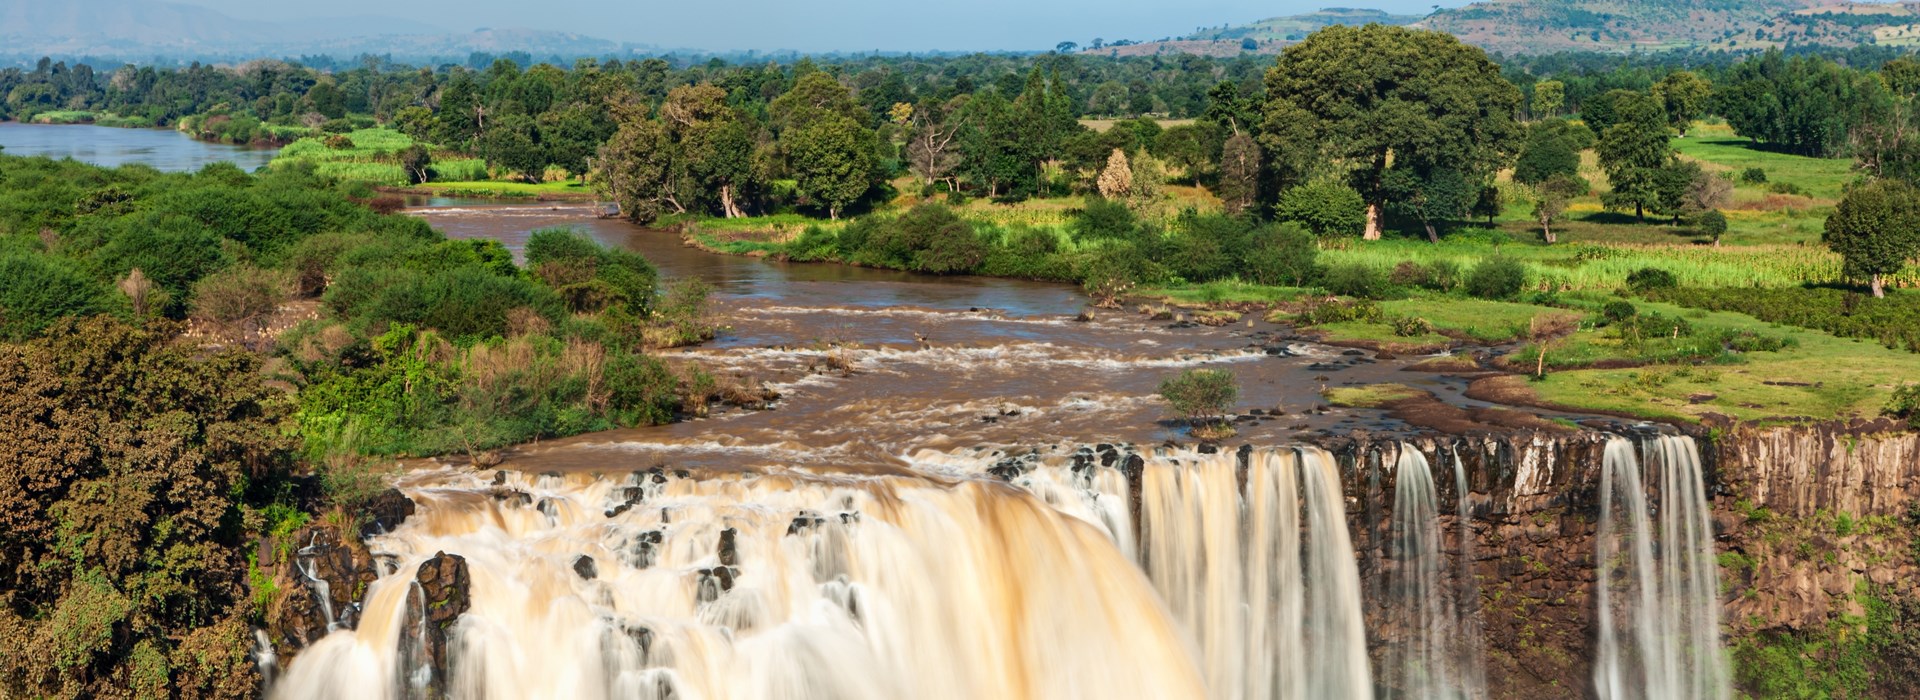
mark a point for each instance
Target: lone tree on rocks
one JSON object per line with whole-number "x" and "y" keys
{"x": 1386, "y": 98}
{"x": 1202, "y": 397}
{"x": 1876, "y": 230}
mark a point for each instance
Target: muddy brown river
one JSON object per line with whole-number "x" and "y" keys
{"x": 875, "y": 366}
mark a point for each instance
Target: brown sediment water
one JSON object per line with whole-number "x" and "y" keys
{"x": 923, "y": 513}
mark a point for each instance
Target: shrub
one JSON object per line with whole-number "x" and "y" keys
{"x": 1906, "y": 404}
{"x": 929, "y": 238}
{"x": 1359, "y": 280}
{"x": 1497, "y": 278}
{"x": 1340, "y": 312}
{"x": 1443, "y": 274}
{"x": 1649, "y": 279}
{"x": 1616, "y": 312}
{"x": 1411, "y": 326}
{"x": 1753, "y": 176}
{"x": 36, "y": 290}
{"x": 1325, "y": 207}
{"x": 1104, "y": 219}
{"x": 1713, "y": 224}
{"x": 239, "y": 300}
{"x": 1201, "y": 395}
{"x": 588, "y": 275}
{"x": 1282, "y": 254}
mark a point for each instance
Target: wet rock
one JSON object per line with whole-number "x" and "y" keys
{"x": 385, "y": 512}
{"x": 512, "y": 498}
{"x": 804, "y": 522}
{"x": 729, "y": 551}
{"x": 1384, "y": 355}
{"x": 714, "y": 582}
{"x": 443, "y": 586}
{"x": 1207, "y": 448}
{"x": 1354, "y": 353}
{"x": 548, "y": 507}
{"x": 584, "y": 566}
{"x": 644, "y": 549}
{"x": 500, "y": 477}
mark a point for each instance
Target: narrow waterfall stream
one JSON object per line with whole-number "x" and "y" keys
{"x": 1435, "y": 651}
{"x": 1658, "y": 592}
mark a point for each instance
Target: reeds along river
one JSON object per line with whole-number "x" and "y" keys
{"x": 976, "y": 574}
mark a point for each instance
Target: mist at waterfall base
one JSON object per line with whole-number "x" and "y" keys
{"x": 1081, "y": 572}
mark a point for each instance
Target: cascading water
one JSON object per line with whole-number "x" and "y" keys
{"x": 1433, "y": 654}
{"x": 1259, "y": 568}
{"x": 781, "y": 585}
{"x": 1658, "y": 590}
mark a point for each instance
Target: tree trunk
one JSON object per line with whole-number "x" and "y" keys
{"x": 1433, "y": 236}
{"x": 1640, "y": 212}
{"x": 1879, "y": 287}
{"x": 833, "y": 213}
{"x": 727, "y": 205}
{"x": 1373, "y": 222}
{"x": 1546, "y": 231}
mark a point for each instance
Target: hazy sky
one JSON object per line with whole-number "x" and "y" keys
{"x": 851, "y": 25}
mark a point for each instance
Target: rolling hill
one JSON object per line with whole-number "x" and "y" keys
{"x": 1540, "y": 26}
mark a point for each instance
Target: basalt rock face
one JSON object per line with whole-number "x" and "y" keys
{"x": 441, "y": 593}
{"x": 1812, "y": 523}
{"x": 320, "y": 580}
{"x": 1530, "y": 499}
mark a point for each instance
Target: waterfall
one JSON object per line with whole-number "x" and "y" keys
{"x": 779, "y": 585}
{"x": 1433, "y": 649}
{"x": 1258, "y": 567}
{"x": 1658, "y": 590}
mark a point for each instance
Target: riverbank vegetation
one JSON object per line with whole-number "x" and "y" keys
{"x": 195, "y": 360}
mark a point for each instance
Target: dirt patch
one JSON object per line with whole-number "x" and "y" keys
{"x": 1428, "y": 411}
{"x": 1451, "y": 364}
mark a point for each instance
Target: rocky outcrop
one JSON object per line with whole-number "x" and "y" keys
{"x": 320, "y": 579}
{"x": 1864, "y": 469}
{"x": 440, "y": 595}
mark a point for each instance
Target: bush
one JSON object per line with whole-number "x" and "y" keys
{"x": 929, "y": 238}
{"x": 1325, "y": 207}
{"x": 240, "y": 299}
{"x": 588, "y": 275}
{"x": 1906, "y": 404}
{"x": 1201, "y": 394}
{"x": 1363, "y": 311}
{"x": 36, "y": 290}
{"x": 1648, "y": 279}
{"x": 1359, "y": 280}
{"x": 1753, "y": 176}
{"x": 1411, "y": 326}
{"x": 1105, "y": 220}
{"x": 1616, "y": 312}
{"x": 1282, "y": 254}
{"x": 1497, "y": 278}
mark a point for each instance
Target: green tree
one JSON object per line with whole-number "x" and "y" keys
{"x": 1430, "y": 195}
{"x": 1713, "y": 223}
{"x": 1684, "y": 95}
{"x": 1551, "y": 199}
{"x": 1380, "y": 97}
{"x": 832, "y": 162}
{"x": 1876, "y": 230}
{"x": 1202, "y": 397}
{"x": 1548, "y": 97}
{"x": 511, "y": 143}
{"x": 1634, "y": 150}
{"x": 1552, "y": 148}
{"x": 1240, "y": 165}
{"x": 634, "y": 171}
{"x": 1325, "y": 206}
{"x": 418, "y": 162}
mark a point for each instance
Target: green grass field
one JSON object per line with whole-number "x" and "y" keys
{"x": 1820, "y": 377}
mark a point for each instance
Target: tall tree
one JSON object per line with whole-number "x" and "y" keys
{"x": 1876, "y": 230}
{"x": 1633, "y": 150}
{"x": 1380, "y": 97}
{"x": 1684, "y": 94}
{"x": 1548, "y": 97}
{"x": 1240, "y": 173}
{"x": 832, "y": 162}
{"x": 1552, "y": 148}
{"x": 634, "y": 170}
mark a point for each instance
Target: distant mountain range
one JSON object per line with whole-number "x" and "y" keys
{"x": 142, "y": 29}
{"x": 1544, "y": 26}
